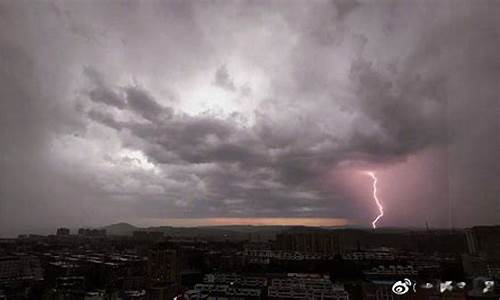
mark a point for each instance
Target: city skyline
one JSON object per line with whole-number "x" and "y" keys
{"x": 191, "y": 113}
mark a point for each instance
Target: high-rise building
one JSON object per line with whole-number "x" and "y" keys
{"x": 484, "y": 241}
{"x": 163, "y": 267}
{"x": 62, "y": 231}
{"x": 309, "y": 242}
{"x": 163, "y": 272}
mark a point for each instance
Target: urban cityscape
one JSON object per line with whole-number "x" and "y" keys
{"x": 251, "y": 262}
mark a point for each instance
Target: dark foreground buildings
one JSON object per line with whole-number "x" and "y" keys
{"x": 296, "y": 263}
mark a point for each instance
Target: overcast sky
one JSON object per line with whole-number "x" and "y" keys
{"x": 217, "y": 112}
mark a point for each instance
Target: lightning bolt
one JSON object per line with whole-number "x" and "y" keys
{"x": 377, "y": 201}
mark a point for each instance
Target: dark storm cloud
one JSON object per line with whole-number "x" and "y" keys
{"x": 136, "y": 99}
{"x": 247, "y": 174}
{"x": 33, "y": 193}
{"x": 104, "y": 118}
{"x": 197, "y": 139}
{"x": 105, "y": 96}
{"x": 331, "y": 83}
{"x": 291, "y": 163}
{"x": 99, "y": 92}
{"x": 409, "y": 111}
{"x": 143, "y": 104}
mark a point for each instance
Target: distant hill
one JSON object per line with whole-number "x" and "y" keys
{"x": 220, "y": 232}
{"x": 263, "y": 232}
{"x": 229, "y": 231}
{"x": 120, "y": 229}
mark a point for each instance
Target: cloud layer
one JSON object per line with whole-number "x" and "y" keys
{"x": 182, "y": 109}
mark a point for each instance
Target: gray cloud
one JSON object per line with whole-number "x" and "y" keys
{"x": 104, "y": 118}
{"x": 99, "y": 92}
{"x": 143, "y": 104}
{"x": 223, "y": 79}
